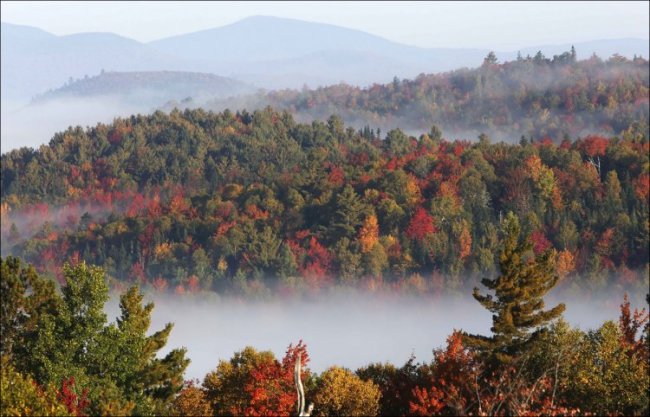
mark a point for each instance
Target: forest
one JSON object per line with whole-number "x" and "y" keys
{"x": 258, "y": 204}
{"x": 534, "y": 96}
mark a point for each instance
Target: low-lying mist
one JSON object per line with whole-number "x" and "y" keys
{"x": 350, "y": 329}
{"x": 34, "y": 125}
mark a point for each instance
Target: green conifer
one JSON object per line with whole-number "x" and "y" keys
{"x": 517, "y": 304}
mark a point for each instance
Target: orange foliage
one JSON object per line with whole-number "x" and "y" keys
{"x": 369, "y": 234}
{"x": 193, "y": 283}
{"x": 336, "y": 176}
{"x": 163, "y": 250}
{"x": 534, "y": 165}
{"x": 178, "y": 204}
{"x": 256, "y": 213}
{"x": 565, "y": 263}
{"x": 159, "y": 284}
{"x": 464, "y": 243}
{"x": 191, "y": 401}
{"x": 453, "y": 385}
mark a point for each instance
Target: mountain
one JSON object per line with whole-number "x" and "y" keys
{"x": 269, "y": 52}
{"x": 149, "y": 87}
{"x": 34, "y": 61}
{"x": 278, "y": 53}
{"x": 267, "y": 49}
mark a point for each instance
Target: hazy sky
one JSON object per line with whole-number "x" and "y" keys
{"x": 495, "y": 25}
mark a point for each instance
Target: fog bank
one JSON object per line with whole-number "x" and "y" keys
{"x": 351, "y": 329}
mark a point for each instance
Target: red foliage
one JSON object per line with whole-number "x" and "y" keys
{"x": 421, "y": 225}
{"x": 137, "y": 272}
{"x": 540, "y": 242}
{"x": 336, "y": 176}
{"x": 426, "y": 402}
{"x": 193, "y": 283}
{"x": 271, "y": 384}
{"x": 453, "y": 384}
{"x": 458, "y": 149}
{"x": 642, "y": 187}
{"x": 137, "y": 205}
{"x": 154, "y": 210}
{"x": 318, "y": 261}
{"x": 593, "y": 145}
{"x": 76, "y": 405}
{"x": 75, "y": 258}
{"x": 630, "y": 323}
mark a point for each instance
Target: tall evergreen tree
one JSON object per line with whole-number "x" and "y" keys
{"x": 517, "y": 305}
{"x": 348, "y": 215}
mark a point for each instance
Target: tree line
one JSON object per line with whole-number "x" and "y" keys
{"x": 531, "y": 96}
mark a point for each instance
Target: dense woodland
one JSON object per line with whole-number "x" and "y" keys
{"x": 533, "y": 96}
{"x": 250, "y": 202}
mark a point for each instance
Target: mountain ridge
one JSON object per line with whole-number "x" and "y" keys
{"x": 243, "y": 46}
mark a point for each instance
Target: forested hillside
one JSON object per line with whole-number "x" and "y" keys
{"x": 532, "y": 96}
{"x": 150, "y": 87}
{"x": 252, "y": 202}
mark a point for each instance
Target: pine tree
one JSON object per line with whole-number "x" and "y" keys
{"x": 348, "y": 215}
{"x": 517, "y": 305}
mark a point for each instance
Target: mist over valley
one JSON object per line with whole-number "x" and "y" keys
{"x": 208, "y": 211}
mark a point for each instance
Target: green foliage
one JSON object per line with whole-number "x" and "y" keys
{"x": 67, "y": 335}
{"x": 518, "y": 307}
{"x": 605, "y": 377}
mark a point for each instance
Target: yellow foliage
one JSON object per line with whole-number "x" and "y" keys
{"x": 413, "y": 195}
{"x": 21, "y": 397}
{"x": 222, "y": 265}
{"x": 369, "y": 234}
{"x": 228, "y": 130}
{"x": 73, "y": 192}
{"x": 122, "y": 228}
{"x": 163, "y": 250}
{"x": 342, "y": 393}
{"x": 232, "y": 191}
